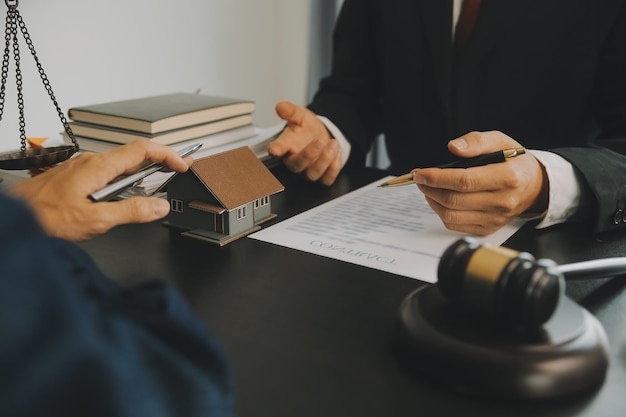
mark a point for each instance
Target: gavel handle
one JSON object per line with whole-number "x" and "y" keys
{"x": 597, "y": 268}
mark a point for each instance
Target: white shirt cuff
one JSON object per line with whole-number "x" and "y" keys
{"x": 344, "y": 145}
{"x": 564, "y": 196}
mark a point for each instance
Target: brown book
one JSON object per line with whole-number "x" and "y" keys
{"x": 156, "y": 114}
{"x": 169, "y": 137}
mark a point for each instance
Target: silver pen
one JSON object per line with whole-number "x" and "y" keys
{"x": 125, "y": 183}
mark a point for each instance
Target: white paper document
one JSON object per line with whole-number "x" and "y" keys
{"x": 391, "y": 229}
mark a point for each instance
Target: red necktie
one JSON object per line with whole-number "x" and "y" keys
{"x": 467, "y": 19}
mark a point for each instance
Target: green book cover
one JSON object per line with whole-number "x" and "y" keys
{"x": 161, "y": 113}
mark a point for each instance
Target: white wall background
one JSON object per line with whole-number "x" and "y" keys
{"x": 97, "y": 51}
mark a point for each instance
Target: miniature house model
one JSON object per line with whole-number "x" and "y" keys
{"x": 222, "y": 197}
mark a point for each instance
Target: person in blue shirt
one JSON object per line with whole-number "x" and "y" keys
{"x": 73, "y": 342}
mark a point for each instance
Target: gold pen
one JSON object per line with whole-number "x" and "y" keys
{"x": 480, "y": 160}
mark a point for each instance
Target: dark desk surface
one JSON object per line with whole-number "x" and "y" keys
{"x": 310, "y": 336}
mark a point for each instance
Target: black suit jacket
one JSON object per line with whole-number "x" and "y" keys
{"x": 549, "y": 73}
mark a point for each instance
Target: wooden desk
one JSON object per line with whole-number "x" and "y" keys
{"x": 310, "y": 336}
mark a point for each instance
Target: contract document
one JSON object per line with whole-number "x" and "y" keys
{"x": 391, "y": 229}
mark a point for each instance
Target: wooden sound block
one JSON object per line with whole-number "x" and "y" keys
{"x": 469, "y": 353}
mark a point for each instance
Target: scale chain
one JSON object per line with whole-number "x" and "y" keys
{"x": 13, "y": 21}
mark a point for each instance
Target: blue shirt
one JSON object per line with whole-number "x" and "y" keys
{"x": 73, "y": 342}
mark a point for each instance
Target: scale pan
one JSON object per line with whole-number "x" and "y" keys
{"x": 36, "y": 158}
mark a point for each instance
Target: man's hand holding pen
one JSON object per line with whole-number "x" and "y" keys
{"x": 481, "y": 200}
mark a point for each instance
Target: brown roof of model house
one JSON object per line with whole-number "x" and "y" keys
{"x": 236, "y": 177}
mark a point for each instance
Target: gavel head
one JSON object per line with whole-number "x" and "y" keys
{"x": 511, "y": 286}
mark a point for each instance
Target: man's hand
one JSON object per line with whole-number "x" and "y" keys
{"x": 306, "y": 145}
{"x": 481, "y": 200}
{"x": 60, "y": 196}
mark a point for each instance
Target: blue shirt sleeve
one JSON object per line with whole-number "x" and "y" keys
{"x": 73, "y": 342}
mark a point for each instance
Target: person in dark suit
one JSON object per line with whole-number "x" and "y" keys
{"x": 547, "y": 75}
{"x": 74, "y": 343}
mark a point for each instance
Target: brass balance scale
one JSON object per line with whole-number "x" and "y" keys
{"x": 28, "y": 158}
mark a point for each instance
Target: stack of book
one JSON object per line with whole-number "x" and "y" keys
{"x": 176, "y": 120}
{"x": 167, "y": 119}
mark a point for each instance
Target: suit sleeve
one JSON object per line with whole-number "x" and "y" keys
{"x": 350, "y": 95}
{"x": 604, "y": 173}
